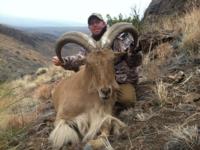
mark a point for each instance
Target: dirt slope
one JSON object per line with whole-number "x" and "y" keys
{"x": 17, "y": 58}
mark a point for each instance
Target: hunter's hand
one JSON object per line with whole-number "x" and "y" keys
{"x": 56, "y": 61}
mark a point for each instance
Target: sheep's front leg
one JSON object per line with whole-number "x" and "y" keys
{"x": 101, "y": 142}
{"x": 63, "y": 132}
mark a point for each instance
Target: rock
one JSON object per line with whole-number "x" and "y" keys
{"x": 163, "y": 8}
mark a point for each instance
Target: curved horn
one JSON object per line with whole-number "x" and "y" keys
{"x": 115, "y": 30}
{"x": 74, "y": 37}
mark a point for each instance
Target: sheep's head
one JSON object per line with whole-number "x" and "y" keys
{"x": 100, "y": 57}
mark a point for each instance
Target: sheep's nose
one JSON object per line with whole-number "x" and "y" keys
{"x": 106, "y": 91}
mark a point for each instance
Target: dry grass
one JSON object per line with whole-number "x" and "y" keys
{"x": 19, "y": 113}
{"x": 190, "y": 25}
{"x": 20, "y": 99}
{"x": 145, "y": 116}
{"x": 19, "y": 120}
{"x": 43, "y": 92}
{"x": 164, "y": 23}
{"x": 187, "y": 135}
{"x": 188, "y": 48}
{"x": 162, "y": 93}
{"x": 150, "y": 70}
{"x": 163, "y": 53}
{"x": 152, "y": 62}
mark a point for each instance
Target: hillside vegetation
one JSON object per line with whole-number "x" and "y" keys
{"x": 18, "y": 59}
{"x": 22, "y": 53}
{"x": 165, "y": 117}
{"x": 40, "y": 42}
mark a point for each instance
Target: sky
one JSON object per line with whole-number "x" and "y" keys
{"x": 69, "y": 10}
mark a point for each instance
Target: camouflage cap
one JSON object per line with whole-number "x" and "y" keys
{"x": 95, "y": 15}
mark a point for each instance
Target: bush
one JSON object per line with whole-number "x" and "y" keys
{"x": 133, "y": 18}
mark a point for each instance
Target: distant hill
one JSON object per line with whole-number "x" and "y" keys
{"x": 40, "y": 42}
{"x": 18, "y": 59}
{"x": 56, "y": 31}
{"x": 24, "y": 49}
{"x": 22, "y": 53}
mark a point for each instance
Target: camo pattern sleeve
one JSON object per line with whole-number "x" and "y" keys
{"x": 75, "y": 61}
{"x": 126, "y": 68}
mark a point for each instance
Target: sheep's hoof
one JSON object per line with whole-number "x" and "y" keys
{"x": 88, "y": 147}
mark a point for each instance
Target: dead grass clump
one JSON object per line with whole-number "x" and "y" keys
{"x": 17, "y": 117}
{"x": 154, "y": 61}
{"x": 150, "y": 69}
{"x": 162, "y": 93}
{"x": 14, "y": 110}
{"x": 164, "y": 23}
{"x": 187, "y": 136}
{"x": 6, "y": 90}
{"x": 54, "y": 73}
{"x": 42, "y": 75}
{"x": 21, "y": 120}
{"x": 41, "y": 71}
{"x": 187, "y": 24}
{"x": 190, "y": 25}
{"x": 43, "y": 92}
{"x": 145, "y": 116}
{"x": 4, "y": 121}
{"x": 163, "y": 52}
{"x": 22, "y": 85}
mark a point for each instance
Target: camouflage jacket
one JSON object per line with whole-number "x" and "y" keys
{"x": 127, "y": 68}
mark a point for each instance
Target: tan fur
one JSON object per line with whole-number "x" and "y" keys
{"x": 101, "y": 142}
{"x": 127, "y": 94}
{"x": 63, "y": 133}
{"x": 78, "y": 100}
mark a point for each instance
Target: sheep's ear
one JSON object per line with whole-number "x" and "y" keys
{"x": 119, "y": 56}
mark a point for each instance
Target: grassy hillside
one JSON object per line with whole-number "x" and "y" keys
{"x": 18, "y": 59}
{"x": 166, "y": 115}
{"x": 23, "y": 52}
{"x": 56, "y": 31}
